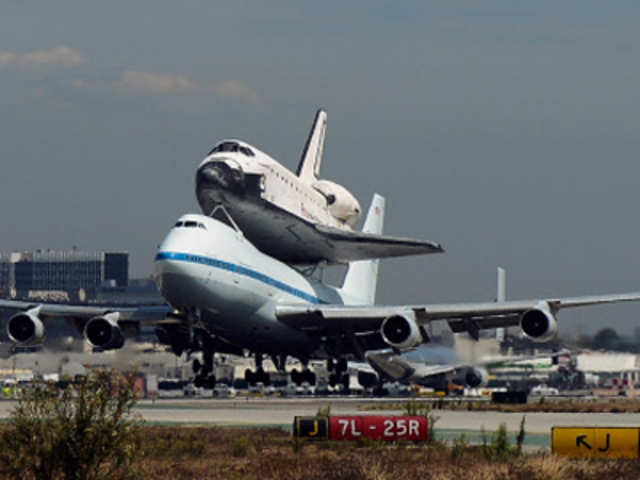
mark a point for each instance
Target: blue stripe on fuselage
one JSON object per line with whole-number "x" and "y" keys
{"x": 231, "y": 267}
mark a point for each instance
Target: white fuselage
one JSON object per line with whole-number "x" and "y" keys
{"x": 207, "y": 266}
{"x": 276, "y": 185}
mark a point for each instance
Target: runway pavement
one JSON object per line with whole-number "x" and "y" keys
{"x": 279, "y": 412}
{"x": 250, "y": 411}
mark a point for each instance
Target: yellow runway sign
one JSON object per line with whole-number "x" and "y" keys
{"x": 596, "y": 442}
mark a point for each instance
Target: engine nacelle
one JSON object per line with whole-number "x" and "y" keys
{"x": 401, "y": 332}
{"x": 26, "y": 328}
{"x": 476, "y": 377}
{"x": 342, "y": 205}
{"x": 104, "y": 332}
{"x": 539, "y": 324}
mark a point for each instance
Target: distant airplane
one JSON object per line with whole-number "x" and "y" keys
{"x": 297, "y": 218}
{"x": 431, "y": 365}
{"x": 228, "y": 296}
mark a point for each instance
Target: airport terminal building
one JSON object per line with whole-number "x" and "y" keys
{"x": 65, "y": 275}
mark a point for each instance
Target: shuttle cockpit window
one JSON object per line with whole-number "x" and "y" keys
{"x": 247, "y": 151}
{"x": 231, "y": 147}
{"x": 224, "y": 147}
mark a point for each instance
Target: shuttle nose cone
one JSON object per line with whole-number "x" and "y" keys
{"x": 219, "y": 174}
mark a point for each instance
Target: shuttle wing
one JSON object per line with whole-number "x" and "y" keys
{"x": 461, "y": 317}
{"x": 348, "y": 246}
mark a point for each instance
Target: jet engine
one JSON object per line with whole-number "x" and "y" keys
{"x": 476, "y": 377}
{"x": 401, "y": 332}
{"x": 342, "y": 205}
{"x": 26, "y": 327}
{"x": 539, "y": 324}
{"x": 104, "y": 332}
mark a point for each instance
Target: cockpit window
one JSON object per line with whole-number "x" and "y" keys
{"x": 201, "y": 225}
{"x": 190, "y": 224}
{"x": 247, "y": 151}
{"x": 231, "y": 147}
{"x": 179, "y": 224}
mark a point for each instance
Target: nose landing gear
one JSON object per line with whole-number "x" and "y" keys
{"x": 205, "y": 377}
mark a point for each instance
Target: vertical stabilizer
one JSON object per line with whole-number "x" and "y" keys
{"x": 309, "y": 166}
{"x": 501, "y": 297}
{"x": 362, "y": 276}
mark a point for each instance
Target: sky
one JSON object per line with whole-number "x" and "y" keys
{"x": 507, "y": 131}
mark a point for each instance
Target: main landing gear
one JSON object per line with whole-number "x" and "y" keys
{"x": 338, "y": 373}
{"x": 259, "y": 376}
{"x": 306, "y": 375}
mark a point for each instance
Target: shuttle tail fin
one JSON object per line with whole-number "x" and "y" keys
{"x": 362, "y": 276}
{"x": 309, "y": 166}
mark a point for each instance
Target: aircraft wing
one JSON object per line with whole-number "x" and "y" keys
{"x": 461, "y": 317}
{"x": 142, "y": 313}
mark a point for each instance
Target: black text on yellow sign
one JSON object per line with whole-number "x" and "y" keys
{"x": 596, "y": 442}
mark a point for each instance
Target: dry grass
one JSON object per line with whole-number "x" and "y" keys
{"x": 264, "y": 454}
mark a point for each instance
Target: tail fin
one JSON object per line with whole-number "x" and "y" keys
{"x": 501, "y": 297}
{"x": 309, "y": 166}
{"x": 362, "y": 276}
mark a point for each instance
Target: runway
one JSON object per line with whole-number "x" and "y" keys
{"x": 250, "y": 411}
{"x": 279, "y": 413}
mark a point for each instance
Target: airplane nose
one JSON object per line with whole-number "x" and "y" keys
{"x": 219, "y": 174}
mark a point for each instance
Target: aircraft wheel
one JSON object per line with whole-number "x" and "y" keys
{"x": 345, "y": 382}
{"x": 199, "y": 381}
{"x": 333, "y": 380}
{"x": 210, "y": 381}
{"x": 250, "y": 377}
{"x": 309, "y": 376}
{"x": 342, "y": 365}
{"x": 196, "y": 365}
{"x": 263, "y": 377}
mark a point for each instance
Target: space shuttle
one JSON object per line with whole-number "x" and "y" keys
{"x": 298, "y": 218}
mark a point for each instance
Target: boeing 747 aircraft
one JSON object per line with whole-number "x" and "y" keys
{"x": 297, "y": 218}
{"x": 228, "y": 296}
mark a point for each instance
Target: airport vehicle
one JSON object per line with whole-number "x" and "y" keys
{"x": 228, "y": 296}
{"x": 296, "y": 218}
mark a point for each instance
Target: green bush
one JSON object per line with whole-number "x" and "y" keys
{"x": 85, "y": 432}
{"x": 415, "y": 408}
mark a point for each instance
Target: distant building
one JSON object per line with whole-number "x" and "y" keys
{"x": 77, "y": 274}
{"x": 5, "y": 284}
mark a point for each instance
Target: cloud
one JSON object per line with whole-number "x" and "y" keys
{"x": 61, "y": 56}
{"x": 235, "y": 90}
{"x": 155, "y": 83}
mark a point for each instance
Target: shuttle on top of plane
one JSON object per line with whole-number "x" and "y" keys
{"x": 297, "y": 218}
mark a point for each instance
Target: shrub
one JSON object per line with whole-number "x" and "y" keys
{"x": 84, "y": 432}
{"x": 415, "y": 408}
{"x": 239, "y": 447}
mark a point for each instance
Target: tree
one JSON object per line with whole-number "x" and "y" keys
{"x": 84, "y": 432}
{"x": 607, "y": 339}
